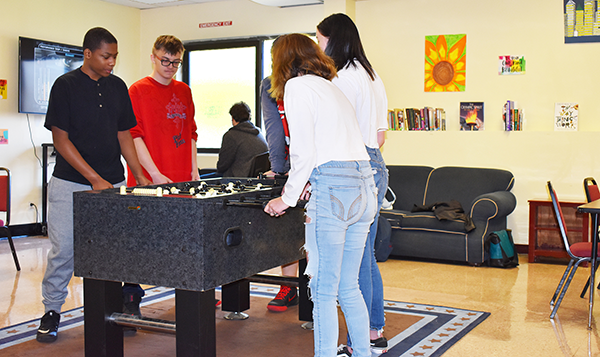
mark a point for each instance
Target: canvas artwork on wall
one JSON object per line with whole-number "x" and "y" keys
{"x": 581, "y": 21}
{"x": 445, "y": 63}
{"x": 566, "y": 116}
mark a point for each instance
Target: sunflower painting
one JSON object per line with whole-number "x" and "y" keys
{"x": 445, "y": 63}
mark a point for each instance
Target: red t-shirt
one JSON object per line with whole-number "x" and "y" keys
{"x": 165, "y": 121}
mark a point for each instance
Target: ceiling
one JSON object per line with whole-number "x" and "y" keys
{"x": 150, "y": 4}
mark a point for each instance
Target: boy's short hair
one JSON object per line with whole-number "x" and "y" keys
{"x": 240, "y": 112}
{"x": 95, "y": 36}
{"x": 170, "y": 44}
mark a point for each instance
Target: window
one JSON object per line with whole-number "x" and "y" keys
{"x": 221, "y": 73}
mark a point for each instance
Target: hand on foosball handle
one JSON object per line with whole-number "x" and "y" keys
{"x": 276, "y": 207}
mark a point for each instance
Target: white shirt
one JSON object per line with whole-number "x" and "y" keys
{"x": 368, "y": 99}
{"x": 323, "y": 128}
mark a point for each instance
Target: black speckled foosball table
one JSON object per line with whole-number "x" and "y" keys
{"x": 190, "y": 236}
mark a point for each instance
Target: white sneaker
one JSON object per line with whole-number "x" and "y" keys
{"x": 343, "y": 351}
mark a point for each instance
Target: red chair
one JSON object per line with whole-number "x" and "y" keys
{"x": 5, "y": 207}
{"x": 592, "y": 193}
{"x": 579, "y": 252}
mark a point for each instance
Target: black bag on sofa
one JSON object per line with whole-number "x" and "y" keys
{"x": 383, "y": 245}
{"x": 500, "y": 250}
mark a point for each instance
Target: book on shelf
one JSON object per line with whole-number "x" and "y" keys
{"x": 566, "y": 116}
{"x": 512, "y": 116}
{"x": 423, "y": 119}
{"x": 471, "y": 116}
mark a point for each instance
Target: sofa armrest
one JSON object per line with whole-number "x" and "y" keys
{"x": 491, "y": 205}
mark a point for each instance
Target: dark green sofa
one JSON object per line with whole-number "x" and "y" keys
{"x": 483, "y": 193}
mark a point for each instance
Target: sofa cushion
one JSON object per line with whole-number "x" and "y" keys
{"x": 464, "y": 184}
{"x": 422, "y": 221}
{"x": 408, "y": 183}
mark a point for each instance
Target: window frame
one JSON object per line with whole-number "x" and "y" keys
{"x": 257, "y": 42}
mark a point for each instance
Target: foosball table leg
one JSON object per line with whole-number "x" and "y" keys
{"x": 235, "y": 297}
{"x": 195, "y": 320}
{"x": 101, "y": 298}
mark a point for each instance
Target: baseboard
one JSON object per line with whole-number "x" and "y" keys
{"x": 522, "y": 248}
{"x": 31, "y": 229}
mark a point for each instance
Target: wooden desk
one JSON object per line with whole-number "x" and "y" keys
{"x": 593, "y": 208}
{"x": 544, "y": 235}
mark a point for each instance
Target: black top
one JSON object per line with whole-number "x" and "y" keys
{"x": 239, "y": 146}
{"x": 92, "y": 112}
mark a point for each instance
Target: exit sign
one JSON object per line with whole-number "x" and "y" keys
{"x": 205, "y": 25}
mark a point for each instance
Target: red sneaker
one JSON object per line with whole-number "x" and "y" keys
{"x": 286, "y": 297}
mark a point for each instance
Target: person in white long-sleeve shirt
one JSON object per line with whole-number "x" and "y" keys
{"x": 327, "y": 157}
{"x": 338, "y": 37}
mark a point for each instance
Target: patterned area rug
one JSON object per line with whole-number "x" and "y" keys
{"x": 412, "y": 330}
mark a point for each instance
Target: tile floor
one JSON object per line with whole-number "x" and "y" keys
{"x": 518, "y": 300}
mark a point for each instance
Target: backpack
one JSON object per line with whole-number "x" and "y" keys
{"x": 500, "y": 250}
{"x": 383, "y": 245}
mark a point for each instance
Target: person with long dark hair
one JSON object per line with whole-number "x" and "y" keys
{"x": 339, "y": 38}
{"x": 326, "y": 155}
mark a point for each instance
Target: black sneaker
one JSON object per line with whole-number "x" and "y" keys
{"x": 381, "y": 342}
{"x": 286, "y": 297}
{"x": 48, "y": 330}
{"x": 379, "y": 345}
{"x": 131, "y": 305}
{"x": 343, "y": 351}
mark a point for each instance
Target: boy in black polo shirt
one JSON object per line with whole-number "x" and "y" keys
{"x": 89, "y": 114}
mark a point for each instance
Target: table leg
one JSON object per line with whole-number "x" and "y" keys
{"x": 102, "y": 298}
{"x": 235, "y": 297}
{"x": 593, "y": 269}
{"x": 195, "y": 320}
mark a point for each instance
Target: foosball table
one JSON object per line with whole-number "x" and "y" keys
{"x": 191, "y": 236}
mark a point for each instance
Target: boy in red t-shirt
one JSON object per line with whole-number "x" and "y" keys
{"x": 165, "y": 135}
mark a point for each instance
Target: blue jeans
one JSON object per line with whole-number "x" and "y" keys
{"x": 339, "y": 213}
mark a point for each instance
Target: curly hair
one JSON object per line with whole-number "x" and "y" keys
{"x": 296, "y": 54}
{"x": 240, "y": 112}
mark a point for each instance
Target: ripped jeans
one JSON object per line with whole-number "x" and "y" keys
{"x": 339, "y": 213}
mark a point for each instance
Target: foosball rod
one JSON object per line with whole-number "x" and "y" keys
{"x": 274, "y": 280}
{"x": 144, "y": 323}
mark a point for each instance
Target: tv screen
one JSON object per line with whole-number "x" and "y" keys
{"x": 40, "y": 63}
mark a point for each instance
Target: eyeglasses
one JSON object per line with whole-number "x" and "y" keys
{"x": 166, "y": 63}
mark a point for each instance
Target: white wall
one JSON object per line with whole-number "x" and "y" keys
{"x": 393, "y": 32}
{"x": 63, "y": 21}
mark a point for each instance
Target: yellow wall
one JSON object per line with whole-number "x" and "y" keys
{"x": 394, "y": 35}
{"x": 393, "y": 32}
{"x": 63, "y": 21}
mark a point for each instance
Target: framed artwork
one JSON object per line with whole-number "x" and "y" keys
{"x": 581, "y": 21}
{"x": 445, "y": 63}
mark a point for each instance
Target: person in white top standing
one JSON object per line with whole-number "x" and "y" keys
{"x": 338, "y": 37}
{"x": 328, "y": 156}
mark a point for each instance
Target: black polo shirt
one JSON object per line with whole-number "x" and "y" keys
{"x": 92, "y": 112}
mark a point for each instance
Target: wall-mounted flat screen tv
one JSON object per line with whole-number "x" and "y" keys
{"x": 40, "y": 63}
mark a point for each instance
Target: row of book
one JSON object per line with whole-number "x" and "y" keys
{"x": 512, "y": 117}
{"x": 427, "y": 118}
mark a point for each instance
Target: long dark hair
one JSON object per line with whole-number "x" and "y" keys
{"x": 344, "y": 43}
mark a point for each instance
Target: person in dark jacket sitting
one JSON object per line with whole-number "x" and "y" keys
{"x": 240, "y": 144}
